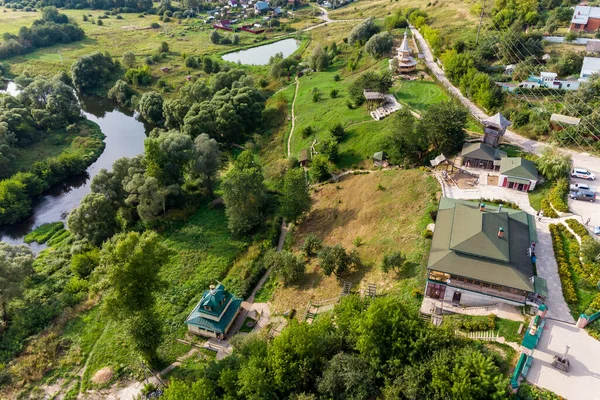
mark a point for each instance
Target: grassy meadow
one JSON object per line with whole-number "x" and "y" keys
{"x": 388, "y": 211}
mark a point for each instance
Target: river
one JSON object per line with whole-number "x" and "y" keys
{"x": 260, "y": 55}
{"x": 125, "y": 135}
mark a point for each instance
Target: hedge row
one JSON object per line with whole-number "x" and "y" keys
{"x": 476, "y": 324}
{"x": 577, "y": 227}
{"x": 564, "y": 272}
{"x": 558, "y": 195}
{"x": 548, "y": 210}
{"x": 588, "y": 271}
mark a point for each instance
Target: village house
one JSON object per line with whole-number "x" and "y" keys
{"x": 517, "y": 173}
{"x": 215, "y": 313}
{"x": 591, "y": 66}
{"x": 558, "y": 122}
{"x": 261, "y": 6}
{"x": 482, "y": 255}
{"x": 585, "y": 18}
{"x": 544, "y": 80}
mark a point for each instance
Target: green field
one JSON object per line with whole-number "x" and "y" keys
{"x": 419, "y": 95}
{"x": 189, "y": 37}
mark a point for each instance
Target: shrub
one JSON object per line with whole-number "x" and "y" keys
{"x": 307, "y": 131}
{"x": 427, "y": 234}
{"x": 558, "y": 195}
{"x": 564, "y": 272}
{"x": 155, "y": 25}
{"x": 336, "y": 78}
{"x": 577, "y": 227}
{"x": 547, "y": 209}
{"x": 312, "y": 245}
{"x": 333, "y": 93}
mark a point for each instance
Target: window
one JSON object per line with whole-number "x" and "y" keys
{"x": 577, "y": 26}
{"x": 438, "y": 276}
{"x": 207, "y": 308}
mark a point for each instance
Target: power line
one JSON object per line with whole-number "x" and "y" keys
{"x": 509, "y": 46}
{"x": 575, "y": 141}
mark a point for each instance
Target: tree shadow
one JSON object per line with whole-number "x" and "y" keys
{"x": 348, "y": 158}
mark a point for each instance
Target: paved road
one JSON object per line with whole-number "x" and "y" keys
{"x": 582, "y": 382}
{"x": 580, "y": 159}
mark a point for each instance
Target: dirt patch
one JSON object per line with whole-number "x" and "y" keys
{"x": 492, "y": 180}
{"x": 103, "y": 376}
{"x": 465, "y": 180}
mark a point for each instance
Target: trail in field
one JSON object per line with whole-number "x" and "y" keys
{"x": 289, "y": 143}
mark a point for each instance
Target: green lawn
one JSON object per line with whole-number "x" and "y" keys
{"x": 204, "y": 251}
{"x": 419, "y": 95}
{"x": 364, "y": 134}
{"x": 540, "y": 193}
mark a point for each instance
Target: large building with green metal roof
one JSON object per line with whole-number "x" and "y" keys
{"x": 481, "y": 255}
{"x": 215, "y": 313}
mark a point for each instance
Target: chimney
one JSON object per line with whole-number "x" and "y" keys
{"x": 500, "y": 208}
{"x": 501, "y": 232}
{"x": 481, "y": 206}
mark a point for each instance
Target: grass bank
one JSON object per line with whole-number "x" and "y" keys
{"x": 389, "y": 211}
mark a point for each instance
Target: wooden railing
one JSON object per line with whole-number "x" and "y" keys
{"x": 487, "y": 290}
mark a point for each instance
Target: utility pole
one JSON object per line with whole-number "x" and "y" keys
{"x": 480, "y": 21}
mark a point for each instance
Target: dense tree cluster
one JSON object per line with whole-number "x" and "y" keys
{"x": 92, "y": 71}
{"x": 441, "y": 130}
{"x": 119, "y": 5}
{"x": 376, "y": 81}
{"x": 379, "y": 44}
{"x": 53, "y": 28}
{"x": 363, "y": 31}
{"x": 45, "y": 106}
{"x": 379, "y": 349}
{"x": 174, "y": 171}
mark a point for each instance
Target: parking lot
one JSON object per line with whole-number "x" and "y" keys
{"x": 587, "y": 209}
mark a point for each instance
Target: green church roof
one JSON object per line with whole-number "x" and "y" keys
{"x": 481, "y": 151}
{"x": 466, "y": 243}
{"x": 215, "y": 303}
{"x": 519, "y": 168}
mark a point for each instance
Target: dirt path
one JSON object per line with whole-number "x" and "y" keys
{"x": 289, "y": 143}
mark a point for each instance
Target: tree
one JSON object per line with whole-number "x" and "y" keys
{"x": 395, "y": 261}
{"x": 338, "y": 131}
{"x": 319, "y": 59}
{"x": 94, "y": 219}
{"x": 329, "y": 148}
{"x": 130, "y": 263}
{"x": 379, "y": 44}
{"x": 347, "y": 377}
{"x": 90, "y": 72}
{"x": 121, "y": 93}
{"x": 590, "y": 249}
{"x": 443, "y": 124}
{"x": 286, "y": 265}
{"x": 295, "y": 197}
{"x": 191, "y": 4}
{"x": 205, "y": 161}
{"x": 320, "y": 168}
{"x": 16, "y": 264}
{"x": 15, "y": 204}
{"x": 214, "y": 38}
{"x": 244, "y": 195}
{"x": 335, "y": 260}
{"x": 207, "y": 64}
{"x": 148, "y": 196}
{"x": 378, "y": 81}
{"x": 405, "y": 144}
{"x": 298, "y": 355}
{"x": 164, "y": 47}
{"x": 151, "y": 107}
{"x": 312, "y": 245}
{"x": 553, "y": 164}
{"x": 363, "y": 31}
{"x": 168, "y": 156}
{"x": 128, "y": 59}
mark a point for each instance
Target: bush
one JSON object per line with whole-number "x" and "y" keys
{"x": 474, "y": 324}
{"x": 558, "y": 195}
{"x": 333, "y": 93}
{"x": 427, "y": 234}
{"x": 564, "y": 272}
{"x": 307, "y": 131}
{"x": 312, "y": 245}
{"x": 547, "y": 209}
{"x": 155, "y": 25}
{"x": 336, "y": 78}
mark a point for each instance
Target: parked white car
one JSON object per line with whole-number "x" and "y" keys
{"x": 582, "y": 173}
{"x": 580, "y": 186}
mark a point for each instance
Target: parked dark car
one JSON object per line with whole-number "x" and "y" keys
{"x": 584, "y": 195}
